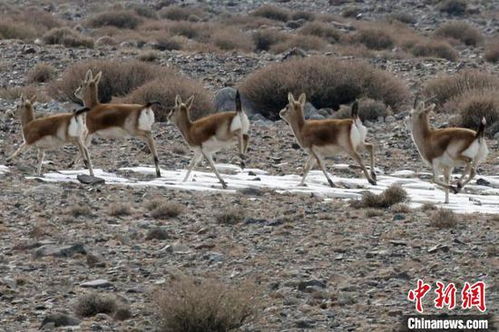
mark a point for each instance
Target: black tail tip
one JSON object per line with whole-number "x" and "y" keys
{"x": 81, "y": 110}
{"x": 151, "y": 103}
{"x": 238, "y": 101}
{"x": 355, "y": 109}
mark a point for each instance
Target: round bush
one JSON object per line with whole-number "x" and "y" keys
{"x": 327, "y": 82}
{"x": 164, "y": 90}
{"x": 118, "y": 78}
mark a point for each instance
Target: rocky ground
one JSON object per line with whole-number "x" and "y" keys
{"x": 317, "y": 265}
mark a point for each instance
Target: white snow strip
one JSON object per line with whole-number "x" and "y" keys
{"x": 3, "y": 169}
{"x": 477, "y": 199}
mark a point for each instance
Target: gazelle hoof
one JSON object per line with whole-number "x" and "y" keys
{"x": 224, "y": 185}
{"x": 455, "y": 190}
{"x": 331, "y": 184}
{"x": 373, "y": 175}
{"x": 302, "y": 184}
{"x": 158, "y": 174}
{"x": 372, "y": 181}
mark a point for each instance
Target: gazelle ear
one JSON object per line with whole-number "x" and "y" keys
{"x": 98, "y": 77}
{"x": 21, "y": 98}
{"x": 88, "y": 75}
{"x": 302, "y": 99}
{"x": 430, "y": 108}
{"x": 291, "y": 99}
{"x": 190, "y": 101}
{"x": 33, "y": 99}
{"x": 178, "y": 100}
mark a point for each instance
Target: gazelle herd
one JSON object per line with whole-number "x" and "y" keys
{"x": 441, "y": 149}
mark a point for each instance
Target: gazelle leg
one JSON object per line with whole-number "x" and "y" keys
{"x": 212, "y": 165}
{"x": 79, "y": 155}
{"x": 194, "y": 162}
{"x": 152, "y": 147}
{"x": 86, "y": 156}
{"x": 308, "y": 166}
{"x": 41, "y": 155}
{"x": 21, "y": 149}
{"x": 240, "y": 143}
{"x": 447, "y": 175}
{"x": 359, "y": 161}
{"x": 370, "y": 148}
{"x": 441, "y": 184}
{"x": 321, "y": 165}
{"x": 245, "y": 143}
{"x": 472, "y": 173}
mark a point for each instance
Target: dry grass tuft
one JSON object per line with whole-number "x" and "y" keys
{"x": 443, "y": 89}
{"x": 118, "y": 210}
{"x": 165, "y": 89}
{"x": 392, "y": 195}
{"x": 453, "y": 7}
{"x": 191, "y": 305}
{"x": 327, "y": 82}
{"x": 157, "y": 233}
{"x": 272, "y": 12}
{"x": 118, "y": 78}
{"x": 322, "y": 30}
{"x": 229, "y": 39}
{"x": 231, "y": 216}
{"x": 177, "y": 13}
{"x": 67, "y": 37}
{"x": 41, "y": 73}
{"x": 94, "y": 303}
{"x": 149, "y": 56}
{"x": 13, "y": 93}
{"x": 79, "y": 210}
{"x": 492, "y": 51}
{"x": 167, "y": 43}
{"x": 462, "y": 31}
{"x": 264, "y": 39}
{"x": 474, "y": 105}
{"x": 444, "y": 218}
{"x": 167, "y": 210}
{"x": 306, "y": 43}
{"x": 434, "y": 48}
{"x": 303, "y": 15}
{"x": 369, "y": 109}
{"x": 122, "y": 19}
{"x": 10, "y": 29}
{"x": 375, "y": 37}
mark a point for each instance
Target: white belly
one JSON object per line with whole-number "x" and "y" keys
{"x": 112, "y": 132}
{"x": 358, "y": 133}
{"x": 327, "y": 150}
{"x": 49, "y": 142}
{"x": 214, "y": 144}
{"x": 77, "y": 126}
{"x": 240, "y": 122}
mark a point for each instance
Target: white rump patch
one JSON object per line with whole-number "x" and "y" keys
{"x": 477, "y": 150}
{"x": 77, "y": 126}
{"x": 358, "y": 133}
{"x": 146, "y": 119}
{"x": 240, "y": 121}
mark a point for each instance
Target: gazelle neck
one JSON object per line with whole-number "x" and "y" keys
{"x": 184, "y": 123}
{"x": 91, "y": 97}
{"x": 297, "y": 121}
{"x": 27, "y": 115}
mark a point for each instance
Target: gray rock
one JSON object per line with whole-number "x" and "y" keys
{"x": 225, "y": 101}
{"x": 88, "y": 179}
{"x": 214, "y": 257}
{"x": 66, "y": 251}
{"x": 311, "y": 112}
{"x": 389, "y": 119}
{"x": 309, "y": 285}
{"x": 45, "y": 189}
{"x": 98, "y": 283}
{"x": 59, "y": 319}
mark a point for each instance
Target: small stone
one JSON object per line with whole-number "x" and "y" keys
{"x": 398, "y": 217}
{"x": 99, "y": 283}
{"x": 67, "y": 251}
{"x": 88, "y": 179}
{"x": 60, "y": 319}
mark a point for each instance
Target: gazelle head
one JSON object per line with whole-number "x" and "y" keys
{"x": 88, "y": 86}
{"x": 180, "y": 107}
{"x": 25, "y": 103}
{"x": 292, "y": 107}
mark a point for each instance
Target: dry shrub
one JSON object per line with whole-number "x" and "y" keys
{"x": 191, "y": 305}
{"x": 434, "y": 48}
{"x": 474, "y": 105}
{"x": 300, "y": 41}
{"x": 149, "y": 56}
{"x": 157, "y": 233}
{"x": 492, "y": 51}
{"x": 351, "y": 11}
{"x": 92, "y": 304}
{"x": 118, "y": 210}
{"x": 67, "y": 37}
{"x": 264, "y": 39}
{"x": 144, "y": 11}
{"x": 369, "y": 109}
{"x": 79, "y": 210}
{"x": 444, "y": 88}
{"x": 166, "y": 210}
{"x": 375, "y": 37}
{"x": 187, "y": 29}
{"x": 322, "y": 30}
{"x": 249, "y": 22}
{"x": 13, "y": 93}
{"x": 403, "y": 17}
{"x": 229, "y": 39}
{"x": 272, "y": 12}
{"x": 123, "y": 19}
{"x": 444, "y": 218}
{"x": 231, "y": 216}
{"x": 165, "y": 89}
{"x": 41, "y": 73}
{"x": 105, "y": 41}
{"x": 177, "y": 13}
{"x": 167, "y": 43}
{"x": 118, "y": 78}
{"x": 390, "y": 196}
{"x": 303, "y": 15}
{"x": 453, "y": 7}
{"x": 327, "y": 82}
{"x": 10, "y": 29}
{"x": 462, "y": 31}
